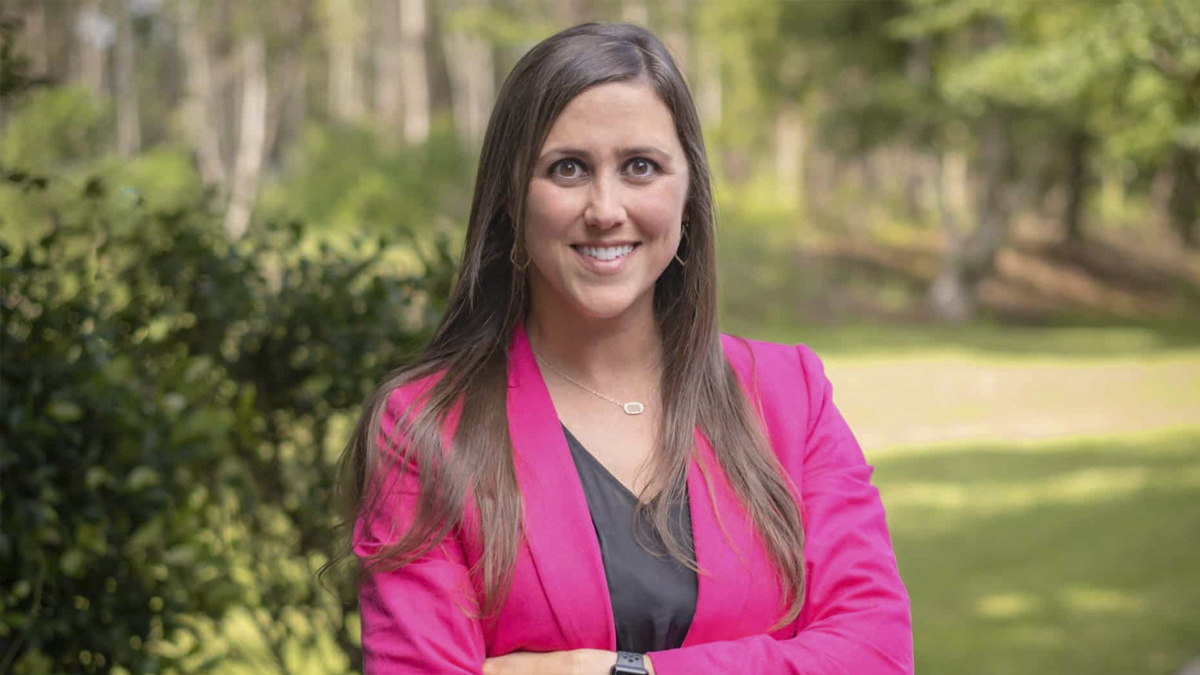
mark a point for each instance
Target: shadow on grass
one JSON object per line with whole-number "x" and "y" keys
{"x": 1058, "y": 558}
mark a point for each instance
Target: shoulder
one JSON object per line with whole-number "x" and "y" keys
{"x": 405, "y": 397}
{"x": 409, "y": 389}
{"x": 758, "y": 360}
{"x": 786, "y": 383}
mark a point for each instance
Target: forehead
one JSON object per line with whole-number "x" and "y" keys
{"x": 615, "y": 113}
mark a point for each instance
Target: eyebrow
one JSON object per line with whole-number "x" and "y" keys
{"x": 564, "y": 151}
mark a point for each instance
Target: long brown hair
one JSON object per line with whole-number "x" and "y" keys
{"x": 467, "y": 360}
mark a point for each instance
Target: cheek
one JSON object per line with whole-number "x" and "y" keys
{"x": 660, "y": 209}
{"x": 548, "y": 209}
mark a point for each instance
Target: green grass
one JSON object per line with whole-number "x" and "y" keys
{"x": 1066, "y": 339}
{"x": 1042, "y": 486}
{"x": 1079, "y": 556}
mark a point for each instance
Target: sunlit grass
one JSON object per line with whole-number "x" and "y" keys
{"x": 1056, "y": 557}
{"x": 929, "y": 396}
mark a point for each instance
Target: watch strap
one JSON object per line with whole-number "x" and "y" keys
{"x": 629, "y": 663}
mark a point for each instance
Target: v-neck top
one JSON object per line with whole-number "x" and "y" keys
{"x": 653, "y": 597}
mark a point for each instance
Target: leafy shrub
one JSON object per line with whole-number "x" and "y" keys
{"x": 171, "y": 405}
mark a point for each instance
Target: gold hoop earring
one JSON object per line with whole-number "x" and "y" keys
{"x": 682, "y": 238}
{"x": 512, "y": 257}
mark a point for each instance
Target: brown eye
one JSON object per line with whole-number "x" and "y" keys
{"x": 567, "y": 168}
{"x": 642, "y": 168}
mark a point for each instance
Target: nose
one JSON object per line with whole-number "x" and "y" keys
{"x": 605, "y": 209}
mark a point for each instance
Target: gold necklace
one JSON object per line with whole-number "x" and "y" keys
{"x": 631, "y": 408}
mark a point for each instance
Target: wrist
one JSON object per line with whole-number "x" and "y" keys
{"x": 590, "y": 662}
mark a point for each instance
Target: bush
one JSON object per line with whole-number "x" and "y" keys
{"x": 172, "y": 407}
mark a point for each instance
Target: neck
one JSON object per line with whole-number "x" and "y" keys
{"x": 621, "y": 355}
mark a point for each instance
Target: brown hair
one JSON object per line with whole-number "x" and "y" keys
{"x": 468, "y": 356}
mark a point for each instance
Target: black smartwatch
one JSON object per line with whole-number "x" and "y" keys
{"x": 629, "y": 663}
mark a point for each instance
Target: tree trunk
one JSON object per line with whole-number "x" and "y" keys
{"x": 1184, "y": 203}
{"x": 920, "y": 186}
{"x": 200, "y": 109}
{"x": 1078, "y": 145}
{"x": 252, "y": 133}
{"x": 35, "y": 39}
{"x": 675, "y": 35}
{"x": 413, "y": 71}
{"x": 293, "y": 109}
{"x": 968, "y": 259}
{"x": 472, "y": 81}
{"x": 388, "y": 71}
{"x": 285, "y": 105}
{"x": 790, "y": 140}
{"x": 129, "y": 123}
{"x": 96, "y": 33}
{"x": 344, "y": 33}
{"x": 707, "y": 79}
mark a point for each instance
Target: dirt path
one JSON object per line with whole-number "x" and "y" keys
{"x": 905, "y": 401}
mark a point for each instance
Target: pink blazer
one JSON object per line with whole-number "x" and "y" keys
{"x": 855, "y": 618}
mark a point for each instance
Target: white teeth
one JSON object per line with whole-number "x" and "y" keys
{"x": 605, "y": 252}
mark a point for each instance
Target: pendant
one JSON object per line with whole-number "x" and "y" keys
{"x": 634, "y": 408}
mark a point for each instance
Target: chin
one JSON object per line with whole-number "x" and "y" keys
{"x": 604, "y": 311}
{"x": 605, "y": 307}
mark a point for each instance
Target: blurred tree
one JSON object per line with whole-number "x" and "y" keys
{"x": 1075, "y": 65}
{"x": 202, "y": 105}
{"x": 388, "y": 66}
{"x": 965, "y": 82}
{"x": 252, "y": 136}
{"x": 344, "y": 23}
{"x": 129, "y": 123}
{"x": 96, "y": 32}
{"x": 470, "y": 66}
{"x": 414, "y": 74}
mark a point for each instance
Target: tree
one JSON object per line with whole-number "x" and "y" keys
{"x": 470, "y": 67}
{"x": 413, "y": 71}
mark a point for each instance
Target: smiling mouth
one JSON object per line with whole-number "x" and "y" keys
{"x": 605, "y": 253}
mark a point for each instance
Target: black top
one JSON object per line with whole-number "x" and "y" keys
{"x": 653, "y": 598}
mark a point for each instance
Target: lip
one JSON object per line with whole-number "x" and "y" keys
{"x": 604, "y": 267}
{"x": 606, "y": 244}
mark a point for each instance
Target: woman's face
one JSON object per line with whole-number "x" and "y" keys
{"x": 604, "y": 207}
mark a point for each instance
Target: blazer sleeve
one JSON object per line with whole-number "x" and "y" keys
{"x": 414, "y": 619}
{"x": 857, "y": 610}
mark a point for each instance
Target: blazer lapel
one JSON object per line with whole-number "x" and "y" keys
{"x": 558, "y": 526}
{"x": 562, "y": 540}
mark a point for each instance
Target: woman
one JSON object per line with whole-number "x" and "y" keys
{"x": 579, "y": 464}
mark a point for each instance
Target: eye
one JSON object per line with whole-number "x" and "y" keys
{"x": 567, "y": 169}
{"x": 640, "y": 167}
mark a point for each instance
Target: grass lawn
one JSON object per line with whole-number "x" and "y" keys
{"x": 1042, "y": 487}
{"x": 1079, "y": 556}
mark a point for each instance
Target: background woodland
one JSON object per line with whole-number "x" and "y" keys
{"x": 223, "y": 221}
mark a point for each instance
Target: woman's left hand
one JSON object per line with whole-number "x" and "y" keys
{"x": 574, "y": 662}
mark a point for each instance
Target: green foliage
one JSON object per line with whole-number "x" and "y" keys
{"x": 168, "y": 402}
{"x": 52, "y": 127}
{"x": 344, "y": 179}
